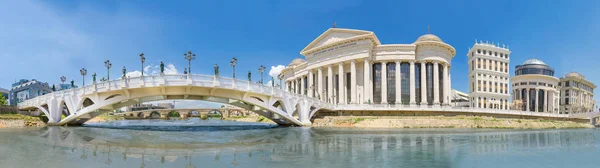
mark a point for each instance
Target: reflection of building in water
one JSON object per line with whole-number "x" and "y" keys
{"x": 144, "y": 106}
{"x": 306, "y": 145}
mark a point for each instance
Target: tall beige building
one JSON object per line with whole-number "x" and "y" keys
{"x": 577, "y": 94}
{"x": 488, "y": 76}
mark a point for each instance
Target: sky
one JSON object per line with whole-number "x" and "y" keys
{"x": 44, "y": 40}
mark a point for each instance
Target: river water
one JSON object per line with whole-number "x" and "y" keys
{"x": 216, "y": 143}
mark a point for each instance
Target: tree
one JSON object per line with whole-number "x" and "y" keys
{"x": 3, "y": 100}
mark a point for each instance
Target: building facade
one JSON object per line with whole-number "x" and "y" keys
{"x": 488, "y": 76}
{"x": 346, "y": 66}
{"x": 535, "y": 88}
{"x": 26, "y": 89}
{"x": 577, "y": 94}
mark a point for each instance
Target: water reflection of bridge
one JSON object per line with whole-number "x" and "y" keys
{"x": 314, "y": 145}
{"x": 185, "y": 113}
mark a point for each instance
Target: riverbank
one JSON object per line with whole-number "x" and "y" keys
{"x": 443, "y": 122}
{"x": 105, "y": 118}
{"x": 259, "y": 119}
{"x": 18, "y": 120}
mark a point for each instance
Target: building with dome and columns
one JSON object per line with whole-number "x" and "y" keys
{"x": 577, "y": 94}
{"x": 535, "y": 88}
{"x": 348, "y": 66}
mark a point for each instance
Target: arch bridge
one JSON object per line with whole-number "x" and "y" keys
{"x": 184, "y": 113}
{"x": 78, "y": 105}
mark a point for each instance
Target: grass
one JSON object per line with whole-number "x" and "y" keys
{"x": 18, "y": 117}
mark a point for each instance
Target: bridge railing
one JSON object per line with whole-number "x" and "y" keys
{"x": 165, "y": 80}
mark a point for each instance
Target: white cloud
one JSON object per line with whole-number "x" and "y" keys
{"x": 151, "y": 69}
{"x": 276, "y": 70}
{"x": 133, "y": 74}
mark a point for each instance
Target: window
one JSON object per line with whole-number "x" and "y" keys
{"x": 478, "y": 63}
{"x": 495, "y": 66}
{"x": 484, "y": 86}
{"x": 478, "y": 85}
{"x": 478, "y": 51}
{"x": 567, "y": 84}
{"x": 418, "y": 83}
{"x": 391, "y": 83}
{"x": 490, "y": 65}
{"x": 405, "y": 82}
{"x": 496, "y": 54}
{"x": 377, "y": 83}
{"x": 484, "y": 52}
{"x": 429, "y": 83}
{"x": 473, "y": 65}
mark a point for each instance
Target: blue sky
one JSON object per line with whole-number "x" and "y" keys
{"x": 47, "y": 39}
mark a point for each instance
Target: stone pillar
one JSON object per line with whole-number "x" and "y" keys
{"x": 537, "y": 101}
{"x": 302, "y": 85}
{"x": 545, "y": 100}
{"x": 341, "y": 86}
{"x": 398, "y": 84}
{"x": 366, "y": 78}
{"x": 477, "y": 102}
{"x": 384, "y": 82}
{"x": 311, "y": 84}
{"x": 320, "y": 84}
{"x": 527, "y": 99}
{"x": 436, "y": 84}
{"x": 412, "y": 83}
{"x": 423, "y": 83}
{"x": 446, "y": 93}
{"x": 329, "y": 84}
{"x": 353, "y": 82}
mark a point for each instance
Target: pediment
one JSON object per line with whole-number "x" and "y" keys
{"x": 334, "y": 35}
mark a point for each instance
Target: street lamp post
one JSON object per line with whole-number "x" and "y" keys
{"x": 107, "y": 64}
{"x": 189, "y": 56}
{"x": 143, "y": 59}
{"x": 261, "y": 69}
{"x": 233, "y": 62}
{"x": 83, "y": 72}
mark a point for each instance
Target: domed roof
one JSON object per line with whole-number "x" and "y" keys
{"x": 574, "y": 74}
{"x": 428, "y": 37}
{"x": 534, "y": 61}
{"x": 296, "y": 61}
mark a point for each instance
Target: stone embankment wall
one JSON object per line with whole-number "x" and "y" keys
{"x": 443, "y": 122}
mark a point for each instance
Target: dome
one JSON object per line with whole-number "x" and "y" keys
{"x": 534, "y": 62}
{"x": 428, "y": 37}
{"x": 296, "y": 61}
{"x": 574, "y": 74}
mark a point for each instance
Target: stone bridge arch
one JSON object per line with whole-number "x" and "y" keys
{"x": 107, "y": 96}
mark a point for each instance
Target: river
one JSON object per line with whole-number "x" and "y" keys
{"x": 216, "y": 143}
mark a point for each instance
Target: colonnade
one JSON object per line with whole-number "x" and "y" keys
{"x": 531, "y": 101}
{"x": 383, "y": 82}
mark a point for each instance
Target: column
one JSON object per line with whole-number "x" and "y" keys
{"x": 527, "y": 99}
{"x": 320, "y": 83}
{"x": 353, "y": 81}
{"x": 423, "y": 83}
{"x": 311, "y": 85}
{"x": 412, "y": 83}
{"x": 329, "y": 84}
{"x": 302, "y": 85}
{"x": 476, "y": 102}
{"x": 436, "y": 84}
{"x": 398, "y": 84}
{"x": 545, "y": 100}
{"x": 446, "y": 93}
{"x": 341, "y": 85}
{"x": 537, "y": 101}
{"x": 366, "y": 79}
{"x": 384, "y": 82}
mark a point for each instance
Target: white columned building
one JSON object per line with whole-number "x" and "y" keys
{"x": 535, "y": 88}
{"x": 361, "y": 70}
{"x": 488, "y": 76}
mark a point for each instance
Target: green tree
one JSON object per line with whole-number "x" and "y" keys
{"x": 3, "y": 101}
